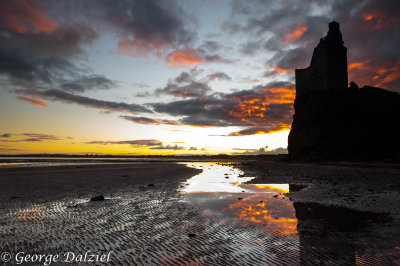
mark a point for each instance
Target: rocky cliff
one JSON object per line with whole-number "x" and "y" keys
{"x": 351, "y": 124}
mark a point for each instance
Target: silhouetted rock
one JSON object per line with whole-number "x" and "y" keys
{"x": 353, "y": 86}
{"x": 336, "y": 123}
{"x": 97, "y": 198}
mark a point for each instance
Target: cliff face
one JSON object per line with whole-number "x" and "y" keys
{"x": 351, "y": 124}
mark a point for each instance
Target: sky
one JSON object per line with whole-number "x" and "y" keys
{"x": 169, "y": 77}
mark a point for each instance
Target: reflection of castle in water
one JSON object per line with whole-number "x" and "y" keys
{"x": 338, "y": 236}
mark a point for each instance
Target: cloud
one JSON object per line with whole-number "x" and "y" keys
{"x": 22, "y": 16}
{"x": 135, "y": 143}
{"x": 152, "y": 144}
{"x": 88, "y": 83}
{"x": 294, "y": 34}
{"x": 62, "y": 96}
{"x": 185, "y": 85}
{"x": 33, "y": 101}
{"x": 5, "y": 135}
{"x": 268, "y": 106}
{"x": 192, "y": 89}
{"x": 261, "y": 130}
{"x": 211, "y": 46}
{"x": 144, "y": 26}
{"x": 32, "y": 137}
{"x": 149, "y": 121}
{"x": 219, "y": 76}
{"x": 39, "y": 137}
{"x": 43, "y": 59}
{"x": 187, "y": 57}
{"x": 168, "y": 147}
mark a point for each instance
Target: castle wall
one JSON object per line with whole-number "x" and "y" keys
{"x": 328, "y": 67}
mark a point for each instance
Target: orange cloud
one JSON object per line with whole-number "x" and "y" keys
{"x": 358, "y": 65}
{"x": 367, "y": 73}
{"x": 33, "y": 101}
{"x": 279, "y": 70}
{"x": 389, "y": 75}
{"x": 15, "y": 15}
{"x": 298, "y": 31}
{"x": 268, "y": 111}
{"x": 380, "y": 19}
{"x": 253, "y": 107}
{"x": 138, "y": 47}
{"x": 183, "y": 58}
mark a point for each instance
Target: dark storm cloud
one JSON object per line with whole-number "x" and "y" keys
{"x": 135, "y": 143}
{"x": 5, "y": 135}
{"x": 62, "y": 96}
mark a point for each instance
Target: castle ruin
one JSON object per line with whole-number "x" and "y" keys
{"x": 334, "y": 122}
{"x": 328, "y": 67}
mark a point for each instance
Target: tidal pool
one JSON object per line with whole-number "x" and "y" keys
{"x": 220, "y": 188}
{"x": 293, "y": 233}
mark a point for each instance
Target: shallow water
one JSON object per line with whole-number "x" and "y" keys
{"x": 220, "y": 188}
{"x": 210, "y": 221}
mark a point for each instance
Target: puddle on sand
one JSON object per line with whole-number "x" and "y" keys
{"x": 220, "y": 188}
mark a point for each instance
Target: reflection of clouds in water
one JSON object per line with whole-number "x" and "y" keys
{"x": 220, "y": 188}
{"x": 29, "y": 214}
{"x": 266, "y": 188}
{"x": 276, "y": 213}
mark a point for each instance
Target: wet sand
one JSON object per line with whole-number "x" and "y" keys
{"x": 87, "y": 180}
{"x": 364, "y": 187}
{"x": 47, "y": 210}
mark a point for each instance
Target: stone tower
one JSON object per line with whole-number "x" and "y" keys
{"x": 328, "y": 67}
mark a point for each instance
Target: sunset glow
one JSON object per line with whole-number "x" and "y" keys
{"x": 194, "y": 77}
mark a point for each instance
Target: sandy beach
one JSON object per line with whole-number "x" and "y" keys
{"x": 201, "y": 214}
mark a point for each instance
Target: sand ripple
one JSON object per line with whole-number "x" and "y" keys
{"x": 151, "y": 226}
